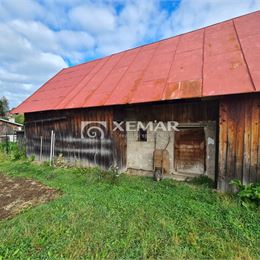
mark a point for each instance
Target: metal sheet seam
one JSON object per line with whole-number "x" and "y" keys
{"x": 123, "y": 75}
{"x": 203, "y": 56}
{"x": 164, "y": 89}
{"x": 122, "y": 55}
{"x": 250, "y": 76}
{"x": 65, "y": 103}
{"x": 148, "y": 65}
{"x": 83, "y": 80}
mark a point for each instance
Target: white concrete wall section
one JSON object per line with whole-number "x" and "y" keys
{"x": 140, "y": 153}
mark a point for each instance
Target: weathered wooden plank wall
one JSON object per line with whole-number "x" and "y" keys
{"x": 239, "y": 140}
{"x": 189, "y": 111}
{"x": 112, "y": 150}
{"x": 66, "y": 125}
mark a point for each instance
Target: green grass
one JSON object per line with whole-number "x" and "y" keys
{"x": 132, "y": 217}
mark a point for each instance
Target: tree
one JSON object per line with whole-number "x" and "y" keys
{"x": 19, "y": 118}
{"x": 4, "y": 106}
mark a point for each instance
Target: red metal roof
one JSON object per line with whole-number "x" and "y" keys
{"x": 216, "y": 60}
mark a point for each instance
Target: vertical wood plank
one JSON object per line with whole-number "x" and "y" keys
{"x": 231, "y": 143}
{"x": 239, "y": 152}
{"x": 247, "y": 143}
{"x": 222, "y": 145}
{"x": 258, "y": 147}
{"x": 254, "y": 140}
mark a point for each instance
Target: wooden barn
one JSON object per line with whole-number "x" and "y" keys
{"x": 205, "y": 82}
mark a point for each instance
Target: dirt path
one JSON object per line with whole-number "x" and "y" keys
{"x": 17, "y": 194}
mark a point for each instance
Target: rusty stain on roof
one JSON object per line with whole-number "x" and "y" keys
{"x": 220, "y": 59}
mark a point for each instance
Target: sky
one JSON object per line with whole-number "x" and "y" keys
{"x": 40, "y": 37}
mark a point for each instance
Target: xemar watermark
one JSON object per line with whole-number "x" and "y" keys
{"x": 97, "y": 129}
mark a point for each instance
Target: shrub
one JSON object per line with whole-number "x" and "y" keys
{"x": 31, "y": 158}
{"x": 4, "y": 147}
{"x": 60, "y": 162}
{"x": 249, "y": 195}
{"x": 12, "y": 151}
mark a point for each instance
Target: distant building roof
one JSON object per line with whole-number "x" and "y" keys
{"x": 10, "y": 122}
{"x": 220, "y": 59}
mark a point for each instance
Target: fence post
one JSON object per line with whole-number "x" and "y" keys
{"x": 53, "y": 145}
{"x": 41, "y": 150}
{"x": 51, "y": 151}
{"x": 6, "y": 143}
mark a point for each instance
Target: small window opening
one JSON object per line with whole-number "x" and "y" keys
{"x": 142, "y": 135}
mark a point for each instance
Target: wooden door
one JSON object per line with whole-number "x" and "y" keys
{"x": 189, "y": 151}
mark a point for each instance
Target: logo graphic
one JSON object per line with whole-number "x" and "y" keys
{"x": 98, "y": 129}
{"x": 93, "y": 129}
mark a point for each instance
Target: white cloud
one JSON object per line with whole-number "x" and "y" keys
{"x": 23, "y": 66}
{"x": 93, "y": 18}
{"x": 138, "y": 20}
{"x": 66, "y": 43}
{"x": 12, "y": 47}
{"x": 21, "y": 9}
{"x": 192, "y": 15}
{"x": 39, "y": 35}
{"x": 40, "y": 64}
{"x": 75, "y": 39}
{"x": 15, "y": 92}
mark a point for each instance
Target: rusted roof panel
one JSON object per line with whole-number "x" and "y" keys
{"x": 191, "y": 41}
{"x": 226, "y": 74}
{"x": 250, "y": 42}
{"x": 225, "y": 70}
{"x": 251, "y": 49}
{"x": 217, "y": 60}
